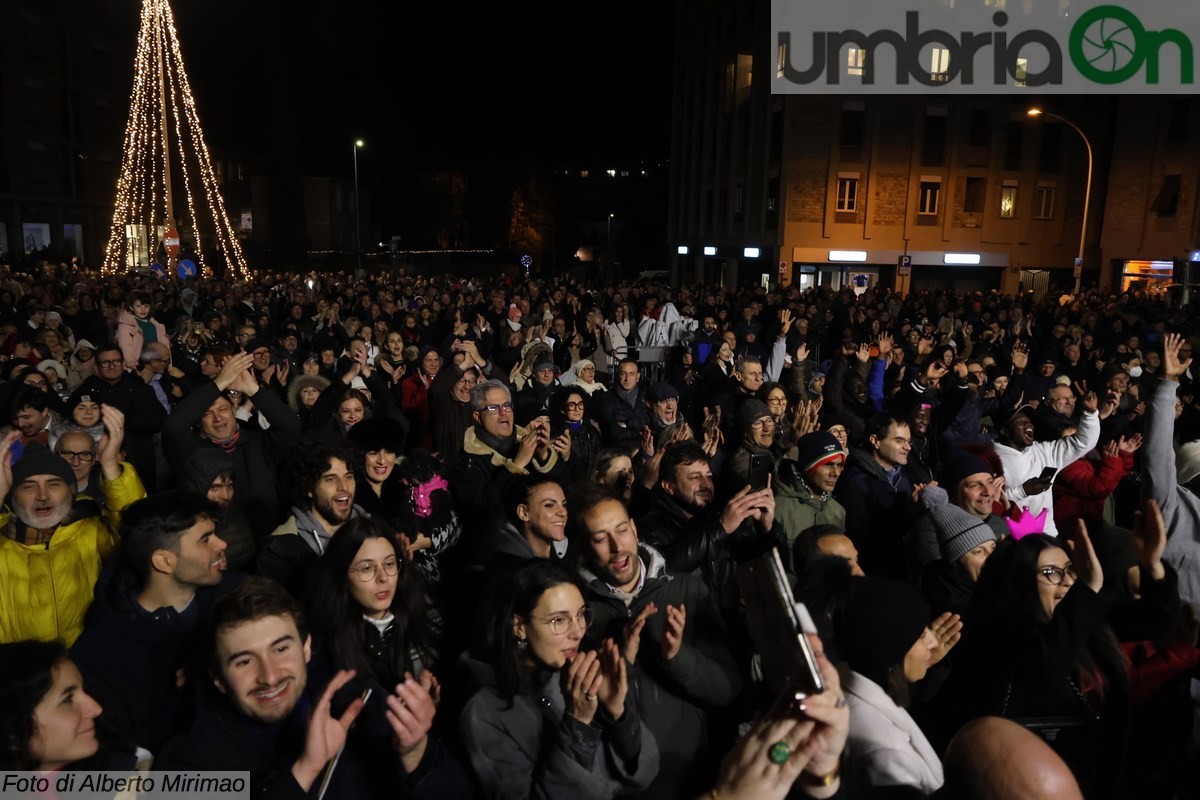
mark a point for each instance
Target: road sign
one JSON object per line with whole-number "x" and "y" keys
{"x": 905, "y": 265}
{"x": 186, "y": 268}
{"x": 171, "y": 241}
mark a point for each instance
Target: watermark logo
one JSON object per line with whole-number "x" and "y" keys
{"x": 1076, "y": 48}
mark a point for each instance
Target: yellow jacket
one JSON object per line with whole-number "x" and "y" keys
{"x": 45, "y": 589}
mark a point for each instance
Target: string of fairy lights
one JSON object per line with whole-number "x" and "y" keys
{"x": 162, "y": 108}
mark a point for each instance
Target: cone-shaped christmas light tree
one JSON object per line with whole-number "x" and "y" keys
{"x": 163, "y": 143}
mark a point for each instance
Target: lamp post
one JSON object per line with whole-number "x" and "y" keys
{"x": 357, "y": 219}
{"x": 1087, "y": 192}
{"x": 608, "y": 241}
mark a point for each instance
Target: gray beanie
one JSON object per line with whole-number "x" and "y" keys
{"x": 958, "y": 531}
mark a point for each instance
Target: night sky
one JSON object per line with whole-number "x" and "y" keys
{"x": 433, "y": 84}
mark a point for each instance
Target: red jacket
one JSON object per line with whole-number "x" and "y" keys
{"x": 1082, "y": 487}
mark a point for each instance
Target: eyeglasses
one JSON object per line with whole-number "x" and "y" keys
{"x": 777, "y": 401}
{"x": 1057, "y": 576}
{"x": 561, "y": 623}
{"x": 369, "y": 571}
{"x": 77, "y": 455}
{"x": 765, "y": 422}
{"x": 575, "y": 406}
{"x": 496, "y": 409}
{"x": 111, "y": 362}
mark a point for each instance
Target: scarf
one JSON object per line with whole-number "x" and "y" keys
{"x": 628, "y": 396}
{"x": 504, "y": 447}
{"x": 230, "y": 444}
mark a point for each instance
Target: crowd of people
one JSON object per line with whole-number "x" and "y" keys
{"x": 440, "y": 537}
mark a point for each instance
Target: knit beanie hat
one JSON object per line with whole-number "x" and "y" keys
{"x": 38, "y": 460}
{"x": 961, "y": 464}
{"x": 878, "y": 624}
{"x": 817, "y": 448}
{"x": 958, "y": 531}
{"x": 751, "y": 411}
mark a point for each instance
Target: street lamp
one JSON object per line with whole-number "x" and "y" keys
{"x": 608, "y": 241}
{"x": 1087, "y": 192}
{"x": 357, "y": 219}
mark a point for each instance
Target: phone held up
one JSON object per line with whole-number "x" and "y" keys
{"x": 779, "y": 626}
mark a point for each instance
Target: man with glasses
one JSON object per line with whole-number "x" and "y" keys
{"x": 495, "y": 449}
{"x": 78, "y": 449}
{"x": 666, "y": 623}
{"x": 112, "y": 385}
{"x": 148, "y": 605}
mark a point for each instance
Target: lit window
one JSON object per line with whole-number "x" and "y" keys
{"x": 612, "y": 173}
{"x": 856, "y": 58}
{"x": 927, "y": 203}
{"x": 1008, "y": 202}
{"x": 847, "y": 194}
{"x": 939, "y": 66}
{"x": 1043, "y": 203}
{"x": 1022, "y": 67}
{"x": 583, "y": 173}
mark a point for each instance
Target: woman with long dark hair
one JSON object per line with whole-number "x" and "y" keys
{"x": 551, "y": 721}
{"x": 47, "y": 720}
{"x": 367, "y": 605}
{"x": 1036, "y": 650}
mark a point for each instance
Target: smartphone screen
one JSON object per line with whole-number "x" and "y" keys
{"x": 760, "y": 468}
{"x": 1048, "y": 474}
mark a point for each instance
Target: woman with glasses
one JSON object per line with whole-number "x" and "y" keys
{"x": 368, "y": 607}
{"x": 570, "y": 417}
{"x": 1036, "y": 650}
{"x": 550, "y": 720}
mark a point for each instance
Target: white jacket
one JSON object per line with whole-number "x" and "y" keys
{"x": 1021, "y": 465}
{"x": 885, "y": 746}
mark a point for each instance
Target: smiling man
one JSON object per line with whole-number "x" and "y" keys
{"x": 324, "y": 481}
{"x": 53, "y": 545}
{"x": 667, "y": 623}
{"x": 268, "y": 712}
{"x": 148, "y": 605}
{"x": 1024, "y": 460}
{"x": 204, "y": 420}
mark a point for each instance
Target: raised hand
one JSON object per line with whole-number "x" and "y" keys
{"x": 111, "y": 441}
{"x": 673, "y": 631}
{"x": 886, "y": 343}
{"x": 410, "y": 712}
{"x": 948, "y": 630}
{"x": 785, "y": 323}
{"x": 581, "y": 682}
{"x": 631, "y": 636}
{"x": 615, "y": 687}
{"x": 325, "y": 735}
{"x": 562, "y": 445}
{"x": 1173, "y": 369}
{"x": 1150, "y": 538}
{"x": 233, "y": 368}
{"x": 1130, "y": 445}
{"x": 802, "y": 353}
{"x": 863, "y": 352}
{"x": 1084, "y": 558}
{"x": 6, "y": 444}
{"x": 1020, "y": 356}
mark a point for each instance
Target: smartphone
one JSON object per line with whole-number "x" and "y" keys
{"x": 1048, "y": 474}
{"x": 779, "y": 626}
{"x": 760, "y": 471}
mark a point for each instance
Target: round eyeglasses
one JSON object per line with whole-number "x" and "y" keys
{"x": 368, "y": 571}
{"x": 561, "y": 623}
{"x": 1057, "y": 576}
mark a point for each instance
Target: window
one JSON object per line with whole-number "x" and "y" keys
{"x": 851, "y": 132}
{"x": 933, "y": 146}
{"x": 939, "y": 65}
{"x": 36, "y": 236}
{"x": 847, "y": 193}
{"x": 772, "y": 197}
{"x": 927, "y": 202}
{"x": 1167, "y": 201}
{"x": 780, "y": 60}
{"x": 730, "y": 86}
{"x": 1014, "y": 141}
{"x": 856, "y": 58}
{"x": 1008, "y": 201}
{"x": 973, "y": 195}
{"x": 1043, "y": 201}
{"x": 1050, "y": 156}
{"x": 1020, "y": 71}
{"x": 1179, "y": 119}
{"x": 979, "y": 128}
